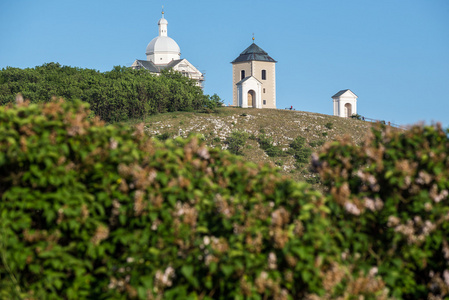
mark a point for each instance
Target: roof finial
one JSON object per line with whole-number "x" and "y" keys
{"x": 253, "y": 38}
{"x": 162, "y": 11}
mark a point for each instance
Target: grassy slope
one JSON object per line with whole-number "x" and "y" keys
{"x": 282, "y": 125}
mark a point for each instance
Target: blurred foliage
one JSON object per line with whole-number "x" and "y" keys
{"x": 389, "y": 197}
{"x": 118, "y": 95}
{"x": 106, "y": 212}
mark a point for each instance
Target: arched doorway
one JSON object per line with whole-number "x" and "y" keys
{"x": 348, "y": 110}
{"x": 251, "y": 98}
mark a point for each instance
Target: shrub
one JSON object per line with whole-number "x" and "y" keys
{"x": 300, "y": 152}
{"x": 389, "y": 197}
{"x": 104, "y": 212}
{"x": 236, "y": 141}
{"x": 163, "y": 136}
{"x": 118, "y": 95}
{"x": 212, "y": 102}
{"x": 329, "y": 125}
{"x": 266, "y": 143}
{"x": 356, "y": 116}
{"x": 317, "y": 143}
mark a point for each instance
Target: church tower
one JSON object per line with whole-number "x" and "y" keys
{"x": 162, "y": 49}
{"x": 254, "y": 79}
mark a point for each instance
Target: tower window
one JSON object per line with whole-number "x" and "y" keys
{"x": 264, "y": 102}
{"x": 243, "y": 74}
{"x": 264, "y": 90}
{"x": 264, "y": 74}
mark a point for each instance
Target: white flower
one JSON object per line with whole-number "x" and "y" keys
{"x": 369, "y": 203}
{"x": 446, "y": 277}
{"x": 352, "y": 208}
{"x": 272, "y": 261}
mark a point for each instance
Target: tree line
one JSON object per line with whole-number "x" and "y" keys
{"x": 117, "y": 95}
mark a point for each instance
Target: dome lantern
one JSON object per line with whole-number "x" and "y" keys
{"x": 162, "y": 25}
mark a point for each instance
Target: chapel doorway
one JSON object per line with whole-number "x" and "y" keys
{"x": 251, "y": 98}
{"x": 348, "y": 110}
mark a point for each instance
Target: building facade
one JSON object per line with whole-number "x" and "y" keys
{"x": 164, "y": 53}
{"x": 254, "y": 79}
{"x": 345, "y": 103}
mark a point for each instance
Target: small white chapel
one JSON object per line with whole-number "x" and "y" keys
{"x": 345, "y": 103}
{"x": 164, "y": 53}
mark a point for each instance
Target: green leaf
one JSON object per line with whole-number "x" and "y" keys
{"x": 227, "y": 270}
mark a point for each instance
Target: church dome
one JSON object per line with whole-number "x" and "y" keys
{"x": 162, "y": 49}
{"x": 162, "y": 44}
{"x": 162, "y": 21}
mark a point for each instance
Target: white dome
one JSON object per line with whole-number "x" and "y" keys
{"x": 162, "y": 21}
{"x": 162, "y": 45}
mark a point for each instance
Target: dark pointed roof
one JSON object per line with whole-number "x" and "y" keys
{"x": 253, "y": 52}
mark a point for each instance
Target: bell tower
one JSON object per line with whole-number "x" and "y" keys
{"x": 254, "y": 78}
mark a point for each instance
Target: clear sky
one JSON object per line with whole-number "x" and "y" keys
{"x": 393, "y": 54}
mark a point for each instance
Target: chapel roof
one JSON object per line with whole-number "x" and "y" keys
{"x": 247, "y": 78}
{"x": 342, "y": 92}
{"x": 253, "y": 52}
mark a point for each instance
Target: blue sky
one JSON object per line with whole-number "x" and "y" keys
{"x": 394, "y": 54}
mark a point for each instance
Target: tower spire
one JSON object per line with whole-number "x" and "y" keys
{"x": 162, "y": 24}
{"x": 253, "y": 38}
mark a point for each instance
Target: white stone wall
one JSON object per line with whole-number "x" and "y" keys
{"x": 269, "y": 84}
{"x": 163, "y": 58}
{"x": 236, "y": 77}
{"x": 187, "y": 69}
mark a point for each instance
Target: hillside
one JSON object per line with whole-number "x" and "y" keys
{"x": 279, "y": 126}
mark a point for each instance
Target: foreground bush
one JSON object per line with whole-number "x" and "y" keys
{"x": 103, "y": 212}
{"x": 389, "y": 198}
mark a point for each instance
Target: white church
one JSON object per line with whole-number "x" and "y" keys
{"x": 164, "y": 53}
